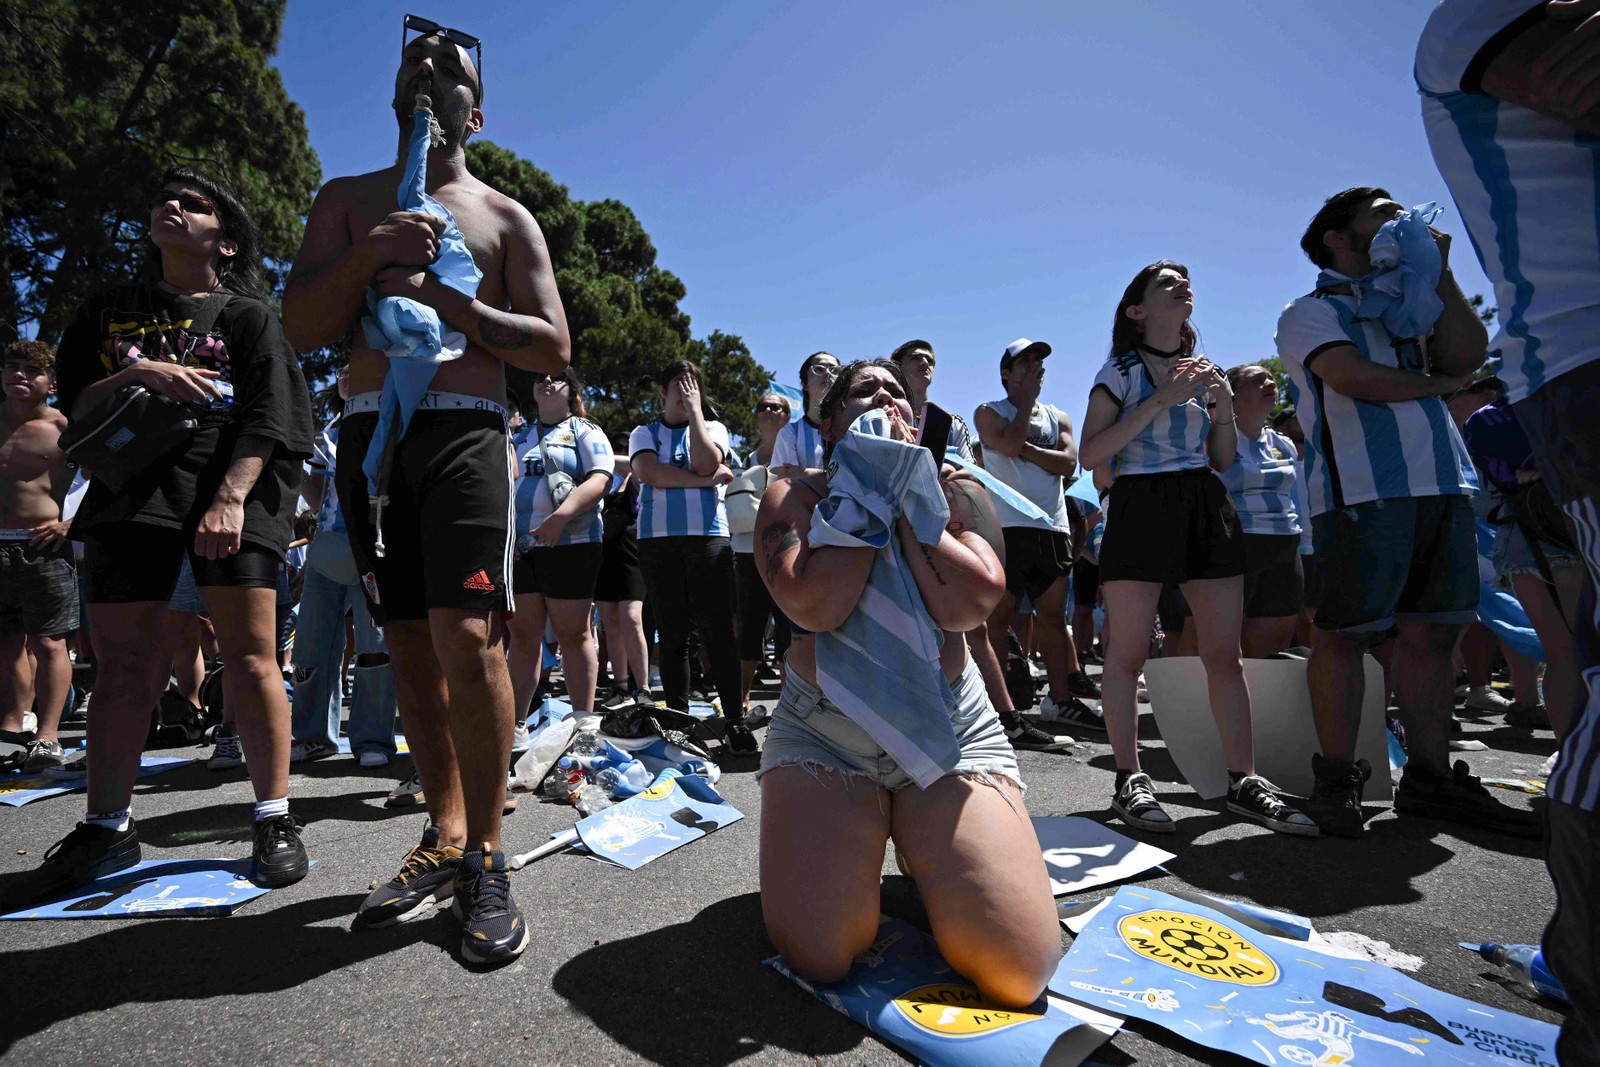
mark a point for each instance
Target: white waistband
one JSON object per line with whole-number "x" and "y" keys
{"x": 434, "y": 401}
{"x": 16, "y": 535}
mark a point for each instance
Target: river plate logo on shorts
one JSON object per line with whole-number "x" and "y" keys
{"x": 957, "y": 1011}
{"x": 1197, "y": 946}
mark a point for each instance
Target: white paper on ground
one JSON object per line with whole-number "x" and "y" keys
{"x": 1084, "y": 918}
{"x": 1080, "y": 853}
{"x": 1285, "y": 734}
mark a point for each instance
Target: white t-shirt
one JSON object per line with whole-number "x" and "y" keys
{"x": 1175, "y": 440}
{"x": 1047, "y": 491}
{"x": 1359, "y": 450}
{"x": 799, "y": 444}
{"x": 574, "y": 446}
{"x": 679, "y": 512}
{"x": 1528, "y": 189}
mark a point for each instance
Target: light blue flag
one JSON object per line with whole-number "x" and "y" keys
{"x": 1499, "y": 610}
{"x": 411, "y": 334}
{"x": 797, "y": 399}
{"x": 996, "y": 487}
{"x": 1402, "y": 289}
{"x": 1083, "y": 489}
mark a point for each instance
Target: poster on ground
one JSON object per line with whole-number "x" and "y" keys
{"x": 903, "y": 990}
{"x": 1080, "y": 853}
{"x": 18, "y": 789}
{"x": 1207, "y": 978}
{"x": 674, "y": 811}
{"x": 163, "y": 888}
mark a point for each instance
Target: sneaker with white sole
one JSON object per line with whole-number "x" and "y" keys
{"x": 519, "y": 737}
{"x": 407, "y": 794}
{"x": 228, "y": 753}
{"x": 1253, "y": 797}
{"x": 42, "y": 755}
{"x": 426, "y": 881}
{"x": 372, "y": 758}
{"x": 1135, "y": 801}
{"x": 75, "y": 769}
{"x": 1029, "y": 738}
{"x": 1073, "y": 712}
{"x": 1485, "y": 699}
{"x": 306, "y": 751}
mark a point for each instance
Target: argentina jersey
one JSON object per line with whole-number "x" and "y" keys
{"x": 799, "y": 444}
{"x": 575, "y": 447}
{"x": 1358, "y": 450}
{"x": 1261, "y": 483}
{"x": 678, "y": 512}
{"x": 1527, "y": 187}
{"x": 1174, "y": 441}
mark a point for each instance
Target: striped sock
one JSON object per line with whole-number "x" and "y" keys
{"x": 269, "y": 809}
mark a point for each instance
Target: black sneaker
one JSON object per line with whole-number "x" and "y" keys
{"x": 1528, "y": 716}
{"x": 1253, "y": 798}
{"x": 619, "y": 698}
{"x": 278, "y": 858}
{"x": 1460, "y": 797}
{"x": 87, "y": 853}
{"x": 492, "y": 927}
{"x": 426, "y": 880}
{"x": 1335, "y": 803}
{"x": 1135, "y": 801}
{"x": 739, "y": 739}
{"x": 407, "y": 794}
{"x": 1079, "y": 684}
{"x": 1030, "y": 738}
{"x": 1074, "y": 713}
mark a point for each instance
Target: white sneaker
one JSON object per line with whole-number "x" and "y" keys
{"x": 1483, "y": 698}
{"x": 372, "y": 758}
{"x": 1141, "y": 692}
{"x": 30, "y": 723}
{"x": 1545, "y": 771}
{"x": 519, "y": 737}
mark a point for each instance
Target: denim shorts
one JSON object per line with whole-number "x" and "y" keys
{"x": 808, "y": 730}
{"x": 1512, "y": 555}
{"x": 1411, "y": 557}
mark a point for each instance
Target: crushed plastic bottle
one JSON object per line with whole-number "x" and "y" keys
{"x": 624, "y": 779}
{"x": 590, "y": 799}
{"x": 1525, "y": 963}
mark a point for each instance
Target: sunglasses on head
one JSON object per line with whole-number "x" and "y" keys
{"x": 428, "y": 27}
{"x": 764, "y": 406}
{"x": 193, "y": 203}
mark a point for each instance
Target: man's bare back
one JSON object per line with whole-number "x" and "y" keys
{"x": 33, "y": 470}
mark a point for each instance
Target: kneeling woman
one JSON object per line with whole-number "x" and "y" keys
{"x": 832, "y": 796}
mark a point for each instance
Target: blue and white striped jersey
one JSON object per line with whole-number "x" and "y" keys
{"x": 1360, "y": 450}
{"x": 798, "y": 444}
{"x": 1174, "y": 441}
{"x": 1527, "y": 187}
{"x": 1262, "y": 484}
{"x": 679, "y": 512}
{"x": 574, "y": 446}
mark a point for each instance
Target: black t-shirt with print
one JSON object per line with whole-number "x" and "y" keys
{"x": 247, "y": 348}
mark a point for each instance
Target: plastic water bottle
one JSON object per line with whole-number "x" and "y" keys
{"x": 590, "y": 799}
{"x": 561, "y": 785}
{"x": 584, "y": 743}
{"x": 623, "y": 780}
{"x": 1525, "y": 963}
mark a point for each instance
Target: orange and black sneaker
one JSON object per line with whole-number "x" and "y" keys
{"x": 426, "y": 880}
{"x": 492, "y": 927}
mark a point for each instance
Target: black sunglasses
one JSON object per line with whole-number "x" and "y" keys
{"x": 193, "y": 203}
{"x": 540, "y": 379}
{"x": 428, "y": 27}
{"x": 770, "y": 407}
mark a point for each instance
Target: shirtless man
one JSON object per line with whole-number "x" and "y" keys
{"x": 446, "y": 531}
{"x": 38, "y": 586}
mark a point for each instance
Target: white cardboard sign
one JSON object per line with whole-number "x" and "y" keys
{"x": 1080, "y": 853}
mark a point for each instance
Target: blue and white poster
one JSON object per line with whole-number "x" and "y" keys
{"x": 903, "y": 990}
{"x": 1191, "y": 970}
{"x": 163, "y": 888}
{"x": 674, "y": 811}
{"x": 18, "y": 789}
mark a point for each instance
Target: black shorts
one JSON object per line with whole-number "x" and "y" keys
{"x": 562, "y": 572}
{"x": 1035, "y": 559}
{"x": 1274, "y": 585}
{"x": 1085, "y": 582}
{"x": 38, "y": 590}
{"x": 1308, "y": 569}
{"x": 136, "y": 563}
{"x": 447, "y": 523}
{"x": 620, "y": 577}
{"x": 1170, "y": 529}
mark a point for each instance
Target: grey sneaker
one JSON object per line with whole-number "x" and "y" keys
{"x": 42, "y": 755}
{"x": 228, "y": 753}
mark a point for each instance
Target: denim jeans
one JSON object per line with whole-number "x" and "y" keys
{"x": 318, "y": 651}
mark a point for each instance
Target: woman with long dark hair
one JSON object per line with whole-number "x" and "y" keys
{"x": 1169, "y": 522}
{"x": 798, "y": 446}
{"x": 195, "y": 331}
{"x": 832, "y": 796}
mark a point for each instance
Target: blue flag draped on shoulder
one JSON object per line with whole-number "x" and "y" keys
{"x": 1402, "y": 289}
{"x": 411, "y": 334}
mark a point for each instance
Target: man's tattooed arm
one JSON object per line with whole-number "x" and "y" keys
{"x": 505, "y": 330}
{"x": 778, "y": 538}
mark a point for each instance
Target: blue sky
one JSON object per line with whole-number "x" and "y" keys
{"x": 847, "y": 176}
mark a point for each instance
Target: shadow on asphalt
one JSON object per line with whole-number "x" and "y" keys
{"x": 234, "y": 822}
{"x": 696, "y": 992}
{"x": 156, "y": 960}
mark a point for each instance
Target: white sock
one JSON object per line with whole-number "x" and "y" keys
{"x": 267, "y": 809}
{"x": 111, "y": 820}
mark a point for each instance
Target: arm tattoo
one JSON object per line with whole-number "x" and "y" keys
{"x": 777, "y": 539}
{"x": 501, "y": 329}
{"x": 981, "y": 516}
{"x": 927, "y": 555}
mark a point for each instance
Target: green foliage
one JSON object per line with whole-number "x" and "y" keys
{"x": 98, "y": 98}
{"x": 622, "y": 308}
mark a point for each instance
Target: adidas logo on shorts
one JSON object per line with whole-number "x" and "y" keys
{"x": 479, "y": 583}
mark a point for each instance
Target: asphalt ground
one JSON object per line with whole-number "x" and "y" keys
{"x": 661, "y": 965}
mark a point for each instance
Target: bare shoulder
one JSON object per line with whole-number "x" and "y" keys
{"x": 798, "y": 493}
{"x": 515, "y": 220}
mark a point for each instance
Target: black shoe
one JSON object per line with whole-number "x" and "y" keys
{"x": 1335, "y": 803}
{"x": 492, "y": 927}
{"x": 739, "y": 739}
{"x": 87, "y": 853}
{"x": 426, "y": 880}
{"x": 1135, "y": 801}
{"x": 1028, "y": 737}
{"x": 1079, "y": 684}
{"x": 619, "y": 698}
{"x": 1251, "y": 797}
{"x": 278, "y": 858}
{"x": 1460, "y": 797}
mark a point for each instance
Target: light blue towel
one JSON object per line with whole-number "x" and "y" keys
{"x": 409, "y": 333}
{"x": 1402, "y": 289}
{"x": 881, "y": 666}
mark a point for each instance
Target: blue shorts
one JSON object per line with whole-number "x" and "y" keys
{"x": 1513, "y": 555}
{"x": 1414, "y": 558}
{"x": 808, "y": 730}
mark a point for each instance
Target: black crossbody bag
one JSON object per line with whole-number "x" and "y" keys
{"x": 128, "y": 431}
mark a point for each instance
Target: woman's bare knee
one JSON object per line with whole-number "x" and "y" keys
{"x": 820, "y": 956}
